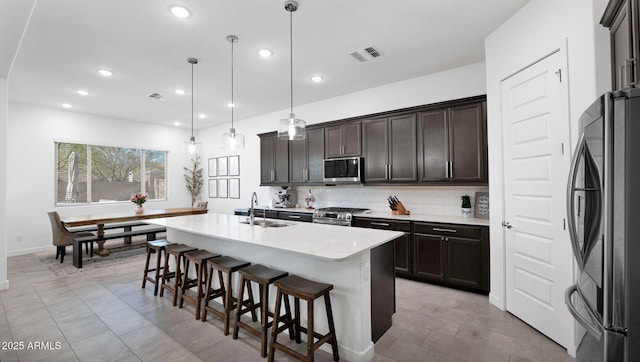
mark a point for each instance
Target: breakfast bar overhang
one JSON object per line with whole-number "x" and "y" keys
{"x": 358, "y": 262}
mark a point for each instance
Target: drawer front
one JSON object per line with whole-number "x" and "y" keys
{"x": 385, "y": 224}
{"x": 295, "y": 216}
{"x": 460, "y": 231}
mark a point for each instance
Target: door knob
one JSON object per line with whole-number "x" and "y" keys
{"x": 507, "y": 224}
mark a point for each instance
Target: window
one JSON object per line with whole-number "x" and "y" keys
{"x": 95, "y": 174}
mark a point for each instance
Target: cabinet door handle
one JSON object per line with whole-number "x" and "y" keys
{"x": 622, "y": 76}
{"x": 379, "y": 224}
{"x": 445, "y": 230}
{"x": 304, "y": 174}
{"x": 451, "y": 169}
{"x": 389, "y": 168}
{"x": 446, "y": 169}
{"x": 295, "y": 217}
{"x": 631, "y": 71}
{"x": 273, "y": 175}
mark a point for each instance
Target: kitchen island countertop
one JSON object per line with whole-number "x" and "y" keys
{"x": 316, "y": 240}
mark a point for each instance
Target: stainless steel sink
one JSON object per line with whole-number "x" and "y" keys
{"x": 267, "y": 223}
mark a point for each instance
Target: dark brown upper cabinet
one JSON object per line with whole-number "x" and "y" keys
{"x": 342, "y": 140}
{"x": 452, "y": 144}
{"x": 621, "y": 17}
{"x": 274, "y": 160}
{"x": 389, "y": 149}
{"x": 305, "y": 158}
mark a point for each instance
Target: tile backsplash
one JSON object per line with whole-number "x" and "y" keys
{"x": 432, "y": 200}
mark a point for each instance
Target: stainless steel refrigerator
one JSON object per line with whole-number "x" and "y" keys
{"x": 603, "y": 201}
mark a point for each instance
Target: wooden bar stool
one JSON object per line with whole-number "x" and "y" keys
{"x": 199, "y": 259}
{"x": 172, "y": 280}
{"x": 301, "y": 288}
{"x": 229, "y": 265}
{"x": 264, "y": 277}
{"x": 157, "y": 247}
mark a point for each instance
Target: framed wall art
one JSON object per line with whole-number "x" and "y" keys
{"x": 213, "y": 188}
{"x": 213, "y": 167}
{"x": 234, "y": 165}
{"x": 234, "y": 188}
{"x": 482, "y": 205}
{"x": 222, "y": 166}
{"x": 223, "y": 188}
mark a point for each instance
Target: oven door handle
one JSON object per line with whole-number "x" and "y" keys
{"x": 593, "y": 330}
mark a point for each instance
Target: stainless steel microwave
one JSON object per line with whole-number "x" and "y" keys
{"x": 343, "y": 170}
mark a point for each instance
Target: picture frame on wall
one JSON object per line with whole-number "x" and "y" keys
{"x": 213, "y": 188}
{"x": 223, "y": 166}
{"x": 223, "y": 188}
{"x": 234, "y": 188}
{"x": 234, "y": 165}
{"x": 213, "y": 167}
{"x": 482, "y": 205}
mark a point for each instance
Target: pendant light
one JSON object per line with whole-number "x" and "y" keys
{"x": 191, "y": 146}
{"x": 291, "y": 128}
{"x": 232, "y": 140}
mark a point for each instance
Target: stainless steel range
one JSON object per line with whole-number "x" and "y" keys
{"x": 336, "y": 215}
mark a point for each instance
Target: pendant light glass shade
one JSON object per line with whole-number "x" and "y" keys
{"x": 291, "y": 128}
{"x": 232, "y": 140}
{"x": 191, "y": 146}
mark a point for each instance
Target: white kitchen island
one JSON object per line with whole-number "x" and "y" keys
{"x": 354, "y": 260}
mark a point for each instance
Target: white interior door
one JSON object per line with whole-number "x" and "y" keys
{"x": 535, "y": 123}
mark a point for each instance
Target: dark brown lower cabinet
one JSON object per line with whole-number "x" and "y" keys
{"x": 453, "y": 255}
{"x": 402, "y": 245}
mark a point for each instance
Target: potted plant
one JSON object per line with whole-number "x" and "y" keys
{"x": 466, "y": 205}
{"x": 193, "y": 179}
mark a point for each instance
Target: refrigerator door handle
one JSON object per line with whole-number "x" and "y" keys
{"x": 573, "y": 175}
{"x": 593, "y": 330}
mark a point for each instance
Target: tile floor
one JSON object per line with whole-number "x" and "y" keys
{"x": 104, "y": 315}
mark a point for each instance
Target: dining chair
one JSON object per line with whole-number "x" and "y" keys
{"x": 61, "y": 235}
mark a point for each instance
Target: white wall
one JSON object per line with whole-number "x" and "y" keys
{"x": 4, "y": 282}
{"x": 456, "y": 83}
{"x": 30, "y": 169}
{"x": 533, "y": 32}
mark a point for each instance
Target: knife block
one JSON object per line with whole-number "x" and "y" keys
{"x": 400, "y": 210}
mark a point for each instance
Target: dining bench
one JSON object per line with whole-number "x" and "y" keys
{"x": 78, "y": 242}
{"x": 125, "y": 226}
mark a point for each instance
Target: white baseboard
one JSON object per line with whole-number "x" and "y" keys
{"x": 4, "y": 285}
{"x": 497, "y": 302}
{"x": 30, "y": 251}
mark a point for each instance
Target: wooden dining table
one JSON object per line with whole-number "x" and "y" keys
{"x": 101, "y": 219}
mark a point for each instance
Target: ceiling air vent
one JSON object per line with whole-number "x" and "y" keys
{"x": 368, "y": 53}
{"x": 158, "y": 96}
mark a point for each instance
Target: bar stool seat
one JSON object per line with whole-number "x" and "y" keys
{"x": 172, "y": 280}
{"x": 157, "y": 247}
{"x": 308, "y": 290}
{"x": 199, "y": 259}
{"x": 228, "y": 265}
{"x": 264, "y": 277}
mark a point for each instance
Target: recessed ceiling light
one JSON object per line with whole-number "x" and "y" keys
{"x": 230, "y": 105}
{"x": 202, "y": 116}
{"x": 176, "y": 123}
{"x": 317, "y": 78}
{"x": 265, "y": 53}
{"x": 180, "y": 91}
{"x": 67, "y": 105}
{"x": 105, "y": 72}
{"x": 179, "y": 11}
{"x": 82, "y": 92}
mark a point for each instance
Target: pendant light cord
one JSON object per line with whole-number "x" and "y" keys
{"x": 192, "y": 100}
{"x": 291, "y": 54}
{"x": 233, "y": 104}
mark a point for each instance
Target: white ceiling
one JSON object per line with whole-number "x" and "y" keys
{"x": 147, "y": 48}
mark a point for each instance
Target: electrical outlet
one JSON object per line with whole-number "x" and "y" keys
{"x": 18, "y": 238}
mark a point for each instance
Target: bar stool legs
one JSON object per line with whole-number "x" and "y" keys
{"x": 309, "y": 291}
{"x": 264, "y": 277}
{"x": 199, "y": 259}
{"x": 228, "y": 265}
{"x": 172, "y": 280}
{"x": 157, "y": 247}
